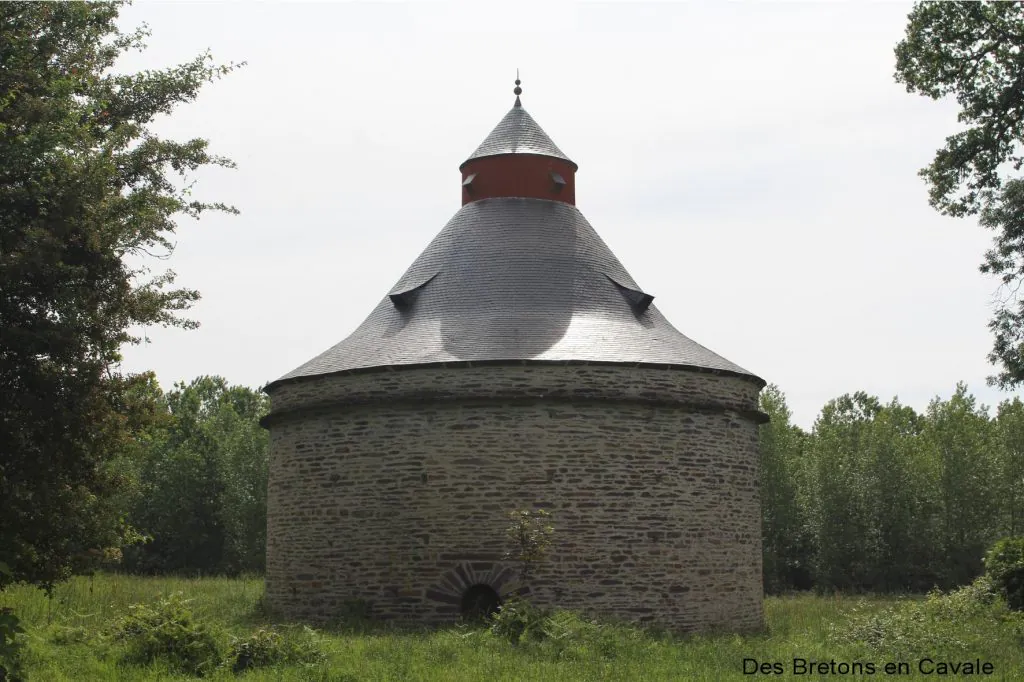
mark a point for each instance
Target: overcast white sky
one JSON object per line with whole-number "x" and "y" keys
{"x": 754, "y": 166}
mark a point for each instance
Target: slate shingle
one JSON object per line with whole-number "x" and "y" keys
{"x": 511, "y": 279}
{"x": 517, "y": 133}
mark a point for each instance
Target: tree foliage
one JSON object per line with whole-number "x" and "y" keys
{"x": 958, "y": 434}
{"x": 974, "y": 52}
{"x": 784, "y": 523}
{"x": 529, "y": 535}
{"x": 1009, "y": 442}
{"x": 1005, "y": 217}
{"x": 1004, "y": 564}
{"x": 202, "y": 491}
{"x": 887, "y": 499}
{"x": 84, "y": 183}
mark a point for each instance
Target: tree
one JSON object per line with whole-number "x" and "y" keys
{"x": 902, "y": 516}
{"x": 787, "y": 546}
{"x": 84, "y": 183}
{"x": 975, "y": 52}
{"x": 840, "y": 511}
{"x": 202, "y": 496}
{"x": 960, "y": 438}
{"x": 1009, "y": 426}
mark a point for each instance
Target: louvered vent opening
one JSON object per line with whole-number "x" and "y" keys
{"x": 557, "y": 181}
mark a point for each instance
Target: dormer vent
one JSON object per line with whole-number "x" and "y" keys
{"x": 558, "y": 181}
{"x": 637, "y": 299}
{"x": 404, "y": 298}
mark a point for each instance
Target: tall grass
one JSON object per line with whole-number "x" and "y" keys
{"x": 100, "y": 598}
{"x": 65, "y": 641}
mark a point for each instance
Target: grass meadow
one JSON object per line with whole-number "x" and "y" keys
{"x": 68, "y": 639}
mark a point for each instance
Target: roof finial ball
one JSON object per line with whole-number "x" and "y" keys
{"x": 518, "y": 90}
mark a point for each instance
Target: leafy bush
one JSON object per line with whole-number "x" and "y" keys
{"x": 11, "y": 646}
{"x": 569, "y": 636}
{"x": 269, "y": 647}
{"x": 168, "y": 631}
{"x": 530, "y": 535}
{"x": 517, "y": 619}
{"x": 960, "y": 622}
{"x": 1004, "y": 566}
{"x": 563, "y": 635}
{"x": 70, "y": 634}
{"x": 568, "y": 626}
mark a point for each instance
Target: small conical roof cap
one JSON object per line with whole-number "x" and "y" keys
{"x": 518, "y": 133}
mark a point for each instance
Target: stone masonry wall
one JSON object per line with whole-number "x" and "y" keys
{"x": 548, "y": 380}
{"x": 404, "y": 504}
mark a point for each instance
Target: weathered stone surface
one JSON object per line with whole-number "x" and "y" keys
{"x": 393, "y": 487}
{"x": 518, "y": 381}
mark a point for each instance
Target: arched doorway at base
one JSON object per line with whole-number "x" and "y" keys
{"x": 479, "y": 601}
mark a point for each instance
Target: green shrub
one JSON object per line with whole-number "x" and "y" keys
{"x": 168, "y": 631}
{"x": 268, "y": 647}
{"x": 12, "y": 644}
{"x": 70, "y": 634}
{"x": 517, "y": 619}
{"x": 563, "y": 635}
{"x": 568, "y": 626}
{"x": 530, "y": 535}
{"x": 960, "y": 622}
{"x": 569, "y": 636}
{"x": 1004, "y": 565}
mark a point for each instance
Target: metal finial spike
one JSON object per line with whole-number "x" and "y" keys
{"x": 518, "y": 90}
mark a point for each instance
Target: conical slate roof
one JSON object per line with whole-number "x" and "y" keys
{"x": 512, "y": 279}
{"x": 517, "y": 133}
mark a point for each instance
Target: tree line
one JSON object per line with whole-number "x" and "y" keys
{"x": 879, "y": 497}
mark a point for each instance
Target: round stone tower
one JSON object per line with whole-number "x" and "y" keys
{"x": 517, "y": 365}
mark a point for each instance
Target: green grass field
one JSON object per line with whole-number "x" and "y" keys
{"x": 68, "y": 639}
